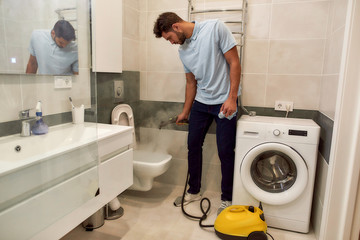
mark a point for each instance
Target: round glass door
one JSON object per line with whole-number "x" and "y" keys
{"x": 274, "y": 173}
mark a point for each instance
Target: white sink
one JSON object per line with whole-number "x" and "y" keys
{"x": 55, "y": 174}
{"x": 60, "y": 139}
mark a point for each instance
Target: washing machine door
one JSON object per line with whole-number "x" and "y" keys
{"x": 274, "y": 173}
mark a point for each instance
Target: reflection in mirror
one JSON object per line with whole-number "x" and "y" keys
{"x": 20, "y": 20}
{"x": 53, "y": 51}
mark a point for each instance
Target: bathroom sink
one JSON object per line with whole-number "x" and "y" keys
{"x": 17, "y": 152}
{"x": 38, "y": 168}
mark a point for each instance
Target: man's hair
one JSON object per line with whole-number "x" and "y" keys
{"x": 164, "y": 23}
{"x": 63, "y": 29}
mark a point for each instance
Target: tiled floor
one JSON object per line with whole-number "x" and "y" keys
{"x": 151, "y": 216}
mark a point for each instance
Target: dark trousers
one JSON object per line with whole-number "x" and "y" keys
{"x": 201, "y": 117}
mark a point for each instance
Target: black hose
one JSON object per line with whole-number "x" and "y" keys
{"x": 204, "y": 211}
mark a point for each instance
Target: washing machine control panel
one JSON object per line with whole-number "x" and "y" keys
{"x": 282, "y": 133}
{"x": 297, "y": 132}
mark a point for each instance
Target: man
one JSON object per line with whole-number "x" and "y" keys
{"x": 54, "y": 52}
{"x": 212, "y": 68}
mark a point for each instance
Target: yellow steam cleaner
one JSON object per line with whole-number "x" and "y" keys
{"x": 239, "y": 222}
{"x": 236, "y": 222}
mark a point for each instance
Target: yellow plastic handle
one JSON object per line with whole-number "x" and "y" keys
{"x": 237, "y": 209}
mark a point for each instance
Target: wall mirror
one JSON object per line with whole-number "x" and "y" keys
{"x": 20, "y": 19}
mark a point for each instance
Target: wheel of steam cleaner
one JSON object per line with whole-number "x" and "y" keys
{"x": 236, "y": 222}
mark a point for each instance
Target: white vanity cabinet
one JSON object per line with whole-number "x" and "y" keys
{"x": 106, "y": 35}
{"x": 115, "y": 176}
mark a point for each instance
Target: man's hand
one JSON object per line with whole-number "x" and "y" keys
{"x": 229, "y": 107}
{"x": 181, "y": 118}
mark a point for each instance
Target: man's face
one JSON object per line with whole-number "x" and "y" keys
{"x": 174, "y": 37}
{"x": 60, "y": 42}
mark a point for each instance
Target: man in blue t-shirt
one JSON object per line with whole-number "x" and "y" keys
{"x": 212, "y": 68}
{"x": 53, "y": 51}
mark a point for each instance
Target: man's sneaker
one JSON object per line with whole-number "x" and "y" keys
{"x": 187, "y": 199}
{"x": 223, "y": 205}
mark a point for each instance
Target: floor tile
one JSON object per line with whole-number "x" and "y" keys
{"x": 151, "y": 216}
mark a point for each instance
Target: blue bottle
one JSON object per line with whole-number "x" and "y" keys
{"x": 39, "y": 127}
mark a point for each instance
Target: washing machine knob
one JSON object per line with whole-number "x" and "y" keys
{"x": 276, "y": 132}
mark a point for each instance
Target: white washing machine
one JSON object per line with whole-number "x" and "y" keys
{"x": 275, "y": 162}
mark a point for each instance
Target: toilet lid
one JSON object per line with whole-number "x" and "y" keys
{"x": 122, "y": 114}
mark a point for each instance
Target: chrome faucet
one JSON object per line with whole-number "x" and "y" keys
{"x": 25, "y": 124}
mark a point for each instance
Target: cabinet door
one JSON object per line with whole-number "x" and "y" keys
{"x": 107, "y": 36}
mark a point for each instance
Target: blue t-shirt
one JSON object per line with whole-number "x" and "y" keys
{"x": 50, "y": 58}
{"x": 203, "y": 55}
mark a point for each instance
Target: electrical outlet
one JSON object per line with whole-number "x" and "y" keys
{"x": 284, "y": 106}
{"x": 119, "y": 90}
{"x": 62, "y": 82}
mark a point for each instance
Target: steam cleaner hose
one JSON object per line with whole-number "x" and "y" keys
{"x": 203, "y": 210}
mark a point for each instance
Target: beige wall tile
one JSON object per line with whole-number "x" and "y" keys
{"x": 143, "y": 5}
{"x": 329, "y": 87}
{"x": 256, "y": 56}
{"x": 11, "y": 100}
{"x": 2, "y": 30}
{"x": 258, "y": 22}
{"x": 3, "y": 59}
{"x": 83, "y": 47}
{"x": 165, "y": 5}
{"x": 340, "y": 10}
{"x": 166, "y": 86}
{"x": 296, "y": 56}
{"x": 303, "y": 90}
{"x": 225, "y": 4}
{"x": 299, "y": 20}
{"x": 142, "y": 55}
{"x": 258, "y": 1}
{"x": 132, "y": 3}
{"x": 333, "y": 52}
{"x": 143, "y": 26}
{"x": 162, "y": 56}
{"x": 131, "y": 23}
{"x": 253, "y": 90}
{"x": 131, "y": 55}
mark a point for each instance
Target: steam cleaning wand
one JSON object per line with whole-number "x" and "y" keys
{"x": 171, "y": 121}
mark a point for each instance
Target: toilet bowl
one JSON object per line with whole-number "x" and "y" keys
{"x": 147, "y": 164}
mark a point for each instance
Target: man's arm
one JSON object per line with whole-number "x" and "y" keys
{"x": 190, "y": 93}
{"x": 232, "y": 58}
{"x": 32, "y": 65}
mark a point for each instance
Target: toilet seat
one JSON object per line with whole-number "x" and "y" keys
{"x": 116, "y": 115}
{"x": 122, "y": 114}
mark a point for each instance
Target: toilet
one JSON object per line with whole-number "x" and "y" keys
{"x": 147, "y": 164}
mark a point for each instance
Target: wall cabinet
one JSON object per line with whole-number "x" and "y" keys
{"x": 106, "y": 17}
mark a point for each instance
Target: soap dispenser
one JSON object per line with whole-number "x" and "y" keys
{"x": 39, "y": 127}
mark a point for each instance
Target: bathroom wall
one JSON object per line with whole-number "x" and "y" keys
{"x": 328, "y": 96}
{"x": 293, "y": 45}
{"x": 20, "y": 91}
{"x": 285, "y": 49}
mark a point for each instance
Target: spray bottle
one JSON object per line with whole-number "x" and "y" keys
{"x": 39, "y": 127}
